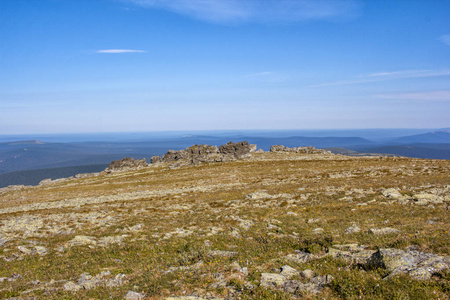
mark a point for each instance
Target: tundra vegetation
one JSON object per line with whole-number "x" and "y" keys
{"x": 283, "y": 224}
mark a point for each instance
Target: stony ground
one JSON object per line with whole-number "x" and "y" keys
{"x": 272, "y": 226}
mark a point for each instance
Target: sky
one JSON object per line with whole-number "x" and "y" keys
{"x": 71, "y": 66}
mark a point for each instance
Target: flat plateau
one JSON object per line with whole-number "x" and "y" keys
{"x": 274, "y": 225}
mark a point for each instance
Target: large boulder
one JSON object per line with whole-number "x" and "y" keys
{"x": 419, "y": 265}
{"x": 238, "y": 150}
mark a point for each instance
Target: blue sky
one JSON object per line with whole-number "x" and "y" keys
{"x": 145, "y": 65}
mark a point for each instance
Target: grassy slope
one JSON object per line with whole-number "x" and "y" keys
{"x": 188, "y": 211}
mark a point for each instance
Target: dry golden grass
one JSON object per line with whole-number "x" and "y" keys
{"x": 189, "y": 211}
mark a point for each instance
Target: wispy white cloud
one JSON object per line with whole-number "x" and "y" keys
{"x": 116, "y": 51}
{"x": 384, "y": 76}
{"x": 445, "y": 39}
{"x": 419, "y": 96}
{"x": 262, "y": 11}
{"x": 260, "y": 74}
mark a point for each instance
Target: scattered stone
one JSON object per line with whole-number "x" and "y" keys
{"x": 222, "y": 253}
{"x": 291, "y": 213}
{"x": 24, "y": 250}
{"x": 272, "y": 280}
{"x": 392, "y": 194}
{"x": 288, "y": 272}
{"x": 71, "y": 286}
{"x": 134, "y": 296}
{"x": 41, "y": 250}
{"x": 352, "y": 229}
{"x": 312, "y": 221}
{"x": 307, "y": 274}
{"x": 259, "y": 195}
{"x": 300, "y": 257}
{"x": 383, "y": 231}
{"x": 317, "y": 230}
{"x": 108, "y": 240}
{"x": 81, "y": 240}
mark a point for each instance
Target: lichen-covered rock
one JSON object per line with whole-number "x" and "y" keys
{"x": 383, "y": 231}
{"x": 419, "y": 265}
{"x": 81, "y": 240}
{"x": 425, "y": 199}
{"x": 272, "y": 280}
{"x": 392, "y": 193}
{"x": 71, "y": 286}
{"x": 300, "y": 257}
{"x": 134, "y": 296}
{"x": 288, "y": 271}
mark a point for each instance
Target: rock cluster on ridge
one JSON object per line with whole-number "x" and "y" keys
{"x": 198, "y": 154}
{"x": 309, "y": 150}
{"x": 126, "y": 163}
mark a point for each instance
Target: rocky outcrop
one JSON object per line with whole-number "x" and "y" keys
{"x": 306, "y": 150}
{"x": 126, "y": 164}
{"x": 419, "y": 265}
{"x": 198, "y": 154}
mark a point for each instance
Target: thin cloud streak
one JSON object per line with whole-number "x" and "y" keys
{"x": 118, "y": 51}
{"x": 385, "y": 76}
{"x": 420, "y": 96}
{"x": 259, "y": 74}
{"x": 445, "y": 39}
{"x": 259, "y": 11}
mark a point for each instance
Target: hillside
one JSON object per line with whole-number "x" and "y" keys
{"x": 273, "y": 225}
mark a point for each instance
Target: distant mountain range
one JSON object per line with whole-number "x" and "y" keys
{"x": 38, "y": 155}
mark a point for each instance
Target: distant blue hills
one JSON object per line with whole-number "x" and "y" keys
{"x": 66, "y": 158}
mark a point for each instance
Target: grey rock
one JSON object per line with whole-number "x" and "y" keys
{"x": 24, "y": 250}
{"x": 307, "y": 274}
{"x": 108, "y": 240}
{"x": 81, "y": 240}
{"x": 352, "y": 229}
{"x": 41, "y": 250}
{"x": 71, "y": 286}
{"x": 419, "y": 265}
{"x": 288, "y": 272}
{"x": 155, "y": 159}
{"x": 126, "y": 164}
{"x": 305, "y": 150}
{"x": 259, "y": 195}
{"x": 300, "y": 257}
{"x": 425, "y": 199}
{"x": 317, "y": 230}
{"x": 383, "y": 231}
{"x": 272, "y": 280}
{"x": 131, "y": 295}
{"x": 237, "y": 150}
{"x": 222, "y": 253}
{"x": 118, "y": 280}
{"x": 392, "y": 194}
